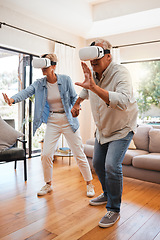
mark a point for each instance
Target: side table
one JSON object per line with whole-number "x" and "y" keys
{"x": 64, "y": 152}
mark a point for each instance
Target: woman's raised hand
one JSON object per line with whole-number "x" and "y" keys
{"x": 8, "y": 100}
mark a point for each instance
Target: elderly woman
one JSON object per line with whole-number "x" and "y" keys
{"x": 54, "y": 99}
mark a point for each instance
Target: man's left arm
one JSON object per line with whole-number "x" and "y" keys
{"x": 123, "y": 94}
{"x": 118, "y": 99}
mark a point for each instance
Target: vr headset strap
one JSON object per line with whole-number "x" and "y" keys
{"x": 53, "y": 63}
{"x": 106, "y": 51}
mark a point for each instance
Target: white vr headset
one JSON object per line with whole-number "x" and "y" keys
{"x": 92, "y": 52}
{"x": 42, "y": 63}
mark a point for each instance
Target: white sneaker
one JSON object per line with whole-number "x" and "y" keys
{"x": 90, "y": 190}
{"x": 45, "y": 189}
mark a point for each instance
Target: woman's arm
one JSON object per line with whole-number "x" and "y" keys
{"x": 24, "y": 94}
{"x": 20, "y": 96}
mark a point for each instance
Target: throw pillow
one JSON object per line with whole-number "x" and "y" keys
{"x": 8, "y": 135}
{"x": 154, "y": 140}
{"x": 132, "y": 145}
{"x": 141, "y": 137}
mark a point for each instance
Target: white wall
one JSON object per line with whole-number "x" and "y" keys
{"x": 139, "y": 52}
{"x": 28, "y": 42}
{"x": 107, "y": 9}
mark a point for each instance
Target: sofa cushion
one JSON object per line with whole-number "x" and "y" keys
{"x": 132, "y": 153}
{"x": 88, "y": 150}
{"x": 141, "y": 137}
{"x": 154, "y": 141}
{"x": 150, "y": 161}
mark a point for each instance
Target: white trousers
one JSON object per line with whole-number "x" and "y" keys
{"x": 56, "y": 125}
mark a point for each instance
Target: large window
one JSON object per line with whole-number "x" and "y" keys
{"x": 146, "y": 84}
{"x": 9, "y": 84}
{"x": 16, "y": 73}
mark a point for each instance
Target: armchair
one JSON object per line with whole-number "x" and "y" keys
{"x": 15, "y": 153}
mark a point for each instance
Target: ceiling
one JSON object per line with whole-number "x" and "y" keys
{"x": 91, "y": 18}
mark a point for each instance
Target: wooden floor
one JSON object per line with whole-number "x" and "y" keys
{"x": 65, "y": 213}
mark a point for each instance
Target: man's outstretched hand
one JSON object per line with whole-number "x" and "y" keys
{"x": 88, "y": 81}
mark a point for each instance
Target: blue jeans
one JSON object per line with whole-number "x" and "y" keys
{"x": 107, "y": 162}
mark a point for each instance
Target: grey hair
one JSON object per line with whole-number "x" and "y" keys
{"x": 105, "y": 44}
{"x": 52, "y": 57}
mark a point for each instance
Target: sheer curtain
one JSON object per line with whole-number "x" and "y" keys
{"x": 116, "y": 55}
{"x": 65, "y": 65}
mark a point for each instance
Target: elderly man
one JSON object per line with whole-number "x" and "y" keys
{"x": 114, "y": 109}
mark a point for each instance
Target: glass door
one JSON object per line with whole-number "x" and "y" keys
{"x": 16, "y": 73}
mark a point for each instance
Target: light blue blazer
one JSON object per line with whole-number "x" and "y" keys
{"x": 41, "y": 109}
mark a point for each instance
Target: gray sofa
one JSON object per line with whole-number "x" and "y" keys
{"x": 142, "y": 159}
